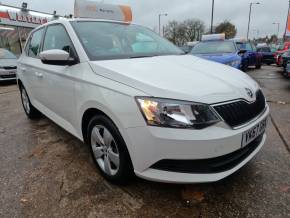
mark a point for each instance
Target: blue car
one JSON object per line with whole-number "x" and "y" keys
{"x": 219, "y": 50}
{"x": 248, "y": 52}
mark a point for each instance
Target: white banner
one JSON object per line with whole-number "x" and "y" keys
{"x": 92, "y": 9}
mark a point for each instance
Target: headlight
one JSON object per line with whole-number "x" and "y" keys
{"x": 234, "y": 63}
{"x": 176, "y": 114}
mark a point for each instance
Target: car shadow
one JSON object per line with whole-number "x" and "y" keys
{"x": 8, "y": 83}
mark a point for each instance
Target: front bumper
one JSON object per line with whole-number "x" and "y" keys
{"x": 6, "y": 75}
{"x": 150, "y": 145}
{"x": 269, "y": 60}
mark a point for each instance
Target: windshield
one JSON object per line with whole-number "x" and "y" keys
{"x": 106, "y": 40}
{"x": 214, "y": 47}
{"x": 244, "y": 46}
{"x": 5, "y": 54}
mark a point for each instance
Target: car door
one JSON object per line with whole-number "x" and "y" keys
{"x": 29, "y": 66}
{"x": 59, "y": 81}
{"x": 251, "y": 54}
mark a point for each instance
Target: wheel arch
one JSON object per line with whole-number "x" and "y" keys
{"x": 89, "y": 113}
{"x": 92, "y": 110}
{"x": 87, "y": 116}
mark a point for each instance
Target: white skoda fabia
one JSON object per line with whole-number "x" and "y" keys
{"x": 143, "y": 106}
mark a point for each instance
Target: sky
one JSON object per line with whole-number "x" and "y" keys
{"x": 145, "y": 12}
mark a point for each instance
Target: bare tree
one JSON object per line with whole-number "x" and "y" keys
{"x": 181, "y": 32}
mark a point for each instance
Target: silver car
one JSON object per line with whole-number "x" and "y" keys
{"x": 8, "y": 65}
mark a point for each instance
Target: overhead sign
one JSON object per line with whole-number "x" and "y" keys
{"x": 16, "y": 17}
{"x": 92, "y": 9}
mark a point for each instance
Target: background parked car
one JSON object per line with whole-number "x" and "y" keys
{"x": 285, "y": 60}
{"x": 279, "y": 58}
{"x": 8, "y": 65}
{"x": 188, "y": 47}
{"x": 216, "y": 48}
{"x": 268, "y": 57}
{"x": 249, "y": 54}
{"x": 281, "y": 50}
{"x": 286, "y": 71}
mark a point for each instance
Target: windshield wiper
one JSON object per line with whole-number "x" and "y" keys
{"x": 143, "y": 56}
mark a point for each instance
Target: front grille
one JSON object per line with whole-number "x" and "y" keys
{"x": 10, "y": 68}
{"x": 8, "y": 76}
{"x": 240, "y": 112}
{"x": 212, "y": 165}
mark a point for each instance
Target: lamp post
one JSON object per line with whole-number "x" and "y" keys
{"x": 160, "y": 15}
{"x": 286, "y": 28}
{"x": 278, "y": 25}
{"x": 212, "y": 13}
{"x": 250, "y": 13}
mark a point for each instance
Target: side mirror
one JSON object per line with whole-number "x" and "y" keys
{"x": 56, "y": 57}
{"x": 242, "y": 52}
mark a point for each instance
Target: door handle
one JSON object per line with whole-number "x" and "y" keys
{"x": 39, "y": 75}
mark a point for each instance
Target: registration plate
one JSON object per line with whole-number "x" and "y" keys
{"x": 254, "y": 133}
{"x": 7, "y": 73}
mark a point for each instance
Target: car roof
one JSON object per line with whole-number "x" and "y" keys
{"x": 68, "y": 20}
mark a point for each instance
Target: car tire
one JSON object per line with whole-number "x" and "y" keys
{"x": 109, "y": 150}
{"x": 245, "y": 66}
{"x": 285, "y": 74}
{"x": 31, "y": 112}
{"x": 258, "y": 66}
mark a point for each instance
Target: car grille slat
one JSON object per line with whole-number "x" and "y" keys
{"x": 240, "y": 112}
{"x": 10, "y": 76}
{"x": 10, "y": 68}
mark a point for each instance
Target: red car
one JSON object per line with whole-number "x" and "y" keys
{"x": 278, "y": 55}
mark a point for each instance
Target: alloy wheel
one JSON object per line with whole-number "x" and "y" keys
{"x": 105, "y": 150}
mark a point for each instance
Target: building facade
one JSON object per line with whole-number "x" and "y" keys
{"x": 16, "y": 24}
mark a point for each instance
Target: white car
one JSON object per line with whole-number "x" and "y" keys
{"x": 8, "y": 65}
{"x": 141, "y": 104}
